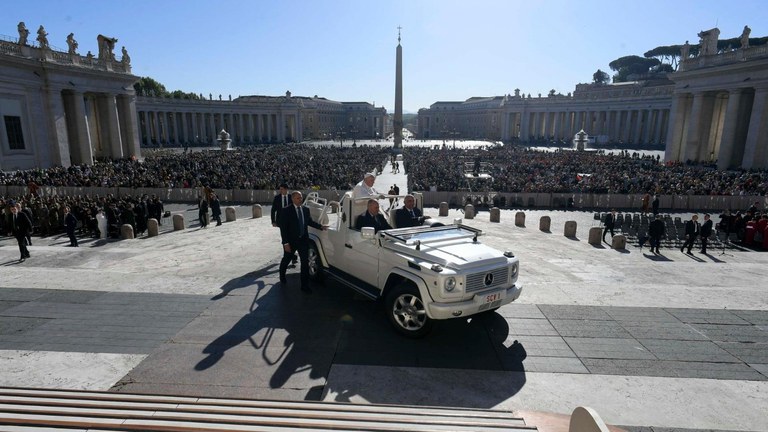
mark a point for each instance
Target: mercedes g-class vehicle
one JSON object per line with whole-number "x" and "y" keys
{"x": 421, "y": 274}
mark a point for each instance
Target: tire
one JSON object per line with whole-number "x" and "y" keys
{"x": 315, "y": 264}
{"x": 407, "y": 312}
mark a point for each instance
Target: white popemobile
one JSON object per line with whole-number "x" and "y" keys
{"x": 422, "y": 274}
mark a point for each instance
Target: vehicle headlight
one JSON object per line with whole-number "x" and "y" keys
{"x": 450, "y": 284}
{"x": 513, "y": 270}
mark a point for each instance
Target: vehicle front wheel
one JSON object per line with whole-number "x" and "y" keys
{"x": 407, "y": 312}
{"x": 314, "y": 263}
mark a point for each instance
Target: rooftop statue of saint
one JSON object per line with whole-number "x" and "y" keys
{"x": 72, "y": 44}
{"x": 708, "y": 41}
{"x": 745, "y": 37}
{"x": 106, "y": 47}
{"x": 23, "y": 33}
{"x": 42, "y": 38}
{"x": 685, "y": 51}
{"x": 126, "y": 58}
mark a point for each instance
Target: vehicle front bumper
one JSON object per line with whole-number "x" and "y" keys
{"x": 474, "y": 305}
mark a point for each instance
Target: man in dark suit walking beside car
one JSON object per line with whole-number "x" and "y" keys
{"x": 21, "y": 226}
{"x": 692, "y": 230}
{"x": 294, "y": 233}
{"x": 706, "y": 231}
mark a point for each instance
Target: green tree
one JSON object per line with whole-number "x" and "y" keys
{"x": 600, "y": 77}
{"x": 146, "y": 86}
{"x": 631, "y": 65}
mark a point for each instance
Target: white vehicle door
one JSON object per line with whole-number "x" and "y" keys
{"x": 361, "y": 258}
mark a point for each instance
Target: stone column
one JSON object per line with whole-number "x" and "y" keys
{"x": 730, "y": 129}
{"x": 269, "y": 127}
{"x": 212, "y": 132}
{"x": 259, "y": 129}
{"x": 193, "y": 121}
{"x": 300, "y": 128}
{"x": 184, "y": 135}
{"x": 602, "y": 123}
{"x": 558, "y": 124}
{"x": 662, "y": 126}
{"x": 699, "y": 126}
{"x": 637, "y": 136}
{"x": 173, "y": 130}
{"x": 676, "y": 131}
{"x": 587, "y": 124}
{"x": 578, "y": 126}
{"x": 57, "y": 127}
{"x": 83, "y": 152}
{"x": 525, "y": 118}
{"x": 756, "y": 146}
{"x": 112, "y": 123}
{"x": 129, "y": 128}
{"x": 147, "y": 127}
{"x": 648, "y": 129}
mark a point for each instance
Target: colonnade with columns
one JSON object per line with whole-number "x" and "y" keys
{"x": 724, "y": 125}
{"x": 630, "y": 125}
{"x": 158, "y": 127}
{"x": 95, "y": 125}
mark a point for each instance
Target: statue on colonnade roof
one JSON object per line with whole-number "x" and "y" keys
{"x": 23, "y": 33}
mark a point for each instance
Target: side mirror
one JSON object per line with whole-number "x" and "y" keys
{"x": 368, "y": 233}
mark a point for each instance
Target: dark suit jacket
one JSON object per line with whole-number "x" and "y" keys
{"x": 289, "y": 225}
{"x": 70, "y": 221}
{"x": 706, "y": 228}
{"x": 22, "y": 226}
{"x": 609, "y": 221}
{"x": 277, "y": 206}
{"x": 403, "y": 218}
{"x": 367, "y": 220}
{"x": 656, "y": 228}
{"x": 692, "y": 228}
{"x": 215, "y": 207}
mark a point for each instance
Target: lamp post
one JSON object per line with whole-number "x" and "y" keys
{"x": 354, "y": 131}
{"x": 340, "y": 133}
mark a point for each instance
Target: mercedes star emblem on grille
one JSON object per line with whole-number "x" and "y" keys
{"x": 488, "y": 279}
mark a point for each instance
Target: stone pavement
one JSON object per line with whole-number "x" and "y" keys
{"x": 670, "y": 342}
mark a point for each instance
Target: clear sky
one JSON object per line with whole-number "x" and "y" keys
{"x": 345, "y": 50}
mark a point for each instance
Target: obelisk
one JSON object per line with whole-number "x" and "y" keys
{"x": 397, "y": 123}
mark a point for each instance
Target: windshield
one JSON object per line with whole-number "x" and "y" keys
{"x": 411, "y": 235}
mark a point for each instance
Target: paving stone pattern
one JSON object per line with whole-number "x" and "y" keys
{"x": 92, "y": 321}
{"x": 335, "y": 326}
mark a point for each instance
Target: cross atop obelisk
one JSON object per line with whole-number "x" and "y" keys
{"x": 397, "y": 122}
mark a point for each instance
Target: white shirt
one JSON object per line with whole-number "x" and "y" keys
{"x": 362, "y": 190}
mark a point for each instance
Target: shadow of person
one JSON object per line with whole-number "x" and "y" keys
{"x": 248, "y": 325}
{"x": 247, "y": 280}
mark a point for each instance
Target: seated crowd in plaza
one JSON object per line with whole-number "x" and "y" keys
{"x": 511, "y": 169}
{"x": 517, "y": 169}
{"x": 260, "y": 168}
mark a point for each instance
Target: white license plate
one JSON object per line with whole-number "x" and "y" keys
{"x": 490, "y": 298}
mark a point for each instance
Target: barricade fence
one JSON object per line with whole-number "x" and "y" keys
{"x": 713, "y": 203}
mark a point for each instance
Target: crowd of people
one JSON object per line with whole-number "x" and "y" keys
{"x": 47, "y": 213}
{"x": 505, "y": 169}
{"x": 261, "y": 168}
{"x": 519, "y": 169}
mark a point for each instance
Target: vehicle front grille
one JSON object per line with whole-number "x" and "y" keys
{"x": 477, "y": 281}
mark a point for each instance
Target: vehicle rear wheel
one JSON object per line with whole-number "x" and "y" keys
{"x": 407, "y": 312}
{"x": 314, "y": 263}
